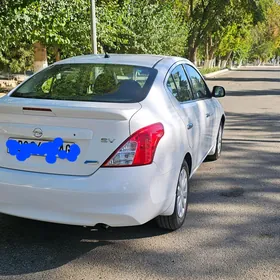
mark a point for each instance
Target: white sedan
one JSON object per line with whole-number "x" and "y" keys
{"x": 108, "y": 140}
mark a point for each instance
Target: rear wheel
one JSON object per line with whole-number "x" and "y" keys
{"x": 177, "y": 219}
{"x": 219, "y": 144}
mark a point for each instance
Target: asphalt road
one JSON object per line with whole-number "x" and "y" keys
{"x": 233, "y": 226}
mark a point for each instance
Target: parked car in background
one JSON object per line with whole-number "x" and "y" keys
{"x": 107, "y": 139}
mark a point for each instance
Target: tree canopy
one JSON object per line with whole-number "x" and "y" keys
{"x": 201, "y": 30}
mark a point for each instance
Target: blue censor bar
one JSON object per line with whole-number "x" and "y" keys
{"x": 51, "y": 150}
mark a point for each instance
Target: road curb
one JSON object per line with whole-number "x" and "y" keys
{"x": 217, "y": 73}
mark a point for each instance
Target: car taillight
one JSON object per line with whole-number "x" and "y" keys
{"x": 138, "y": 149}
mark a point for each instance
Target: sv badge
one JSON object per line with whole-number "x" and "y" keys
{"x": 107, "y": 140}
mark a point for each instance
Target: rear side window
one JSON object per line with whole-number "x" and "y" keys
{"x": 179, "y": 85}
{"x": 200, "y": 89}
{"x": 89, "y": 82}
{"x": 172, "y": 86}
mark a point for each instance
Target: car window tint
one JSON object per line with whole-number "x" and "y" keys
{"x": 171, "y": 86}
{"x": 89, "y": 82}
{"x": 199, "y": 88}
{"x": 183, "y": 92}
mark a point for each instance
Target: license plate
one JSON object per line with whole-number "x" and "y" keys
{"x": 64, "y": 147}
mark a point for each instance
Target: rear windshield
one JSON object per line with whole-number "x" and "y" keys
{"x": 89, "y": 82}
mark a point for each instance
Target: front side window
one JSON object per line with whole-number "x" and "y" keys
{"x": 89, "y": 82}
{"x": 178, "y": 85}
{"x": 200, "y": 90}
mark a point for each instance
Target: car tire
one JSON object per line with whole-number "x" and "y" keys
{"x": 219, "y": 145}
{"x": 176, "y": 220}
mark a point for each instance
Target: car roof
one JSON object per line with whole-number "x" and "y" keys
{"x": 145, "y": 60}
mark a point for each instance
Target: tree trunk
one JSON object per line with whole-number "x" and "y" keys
{"x": 213, "y": 63}
{"x": 207, "y": 59}
{"x": 211, "y": 57}
{"x": 191, "y": 8}
{"x": 207, "y": 63}
{"x": 210, "y": 52}
{"x": 40, "y": 57}
{"x": 219, "y": 62}
{"x": 224, "y": 64}
{"x": 192, "y": 55}
{"x": 225, "y": 60}
{"x": 57, "y": 54}
{"x": 240, "y": 63}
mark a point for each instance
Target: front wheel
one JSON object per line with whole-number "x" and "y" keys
{"x": 177, "y": 219}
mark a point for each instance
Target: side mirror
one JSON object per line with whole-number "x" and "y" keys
{"x": 218, "y": 92}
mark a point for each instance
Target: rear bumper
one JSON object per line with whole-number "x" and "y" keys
{"x": 115, "y": 196}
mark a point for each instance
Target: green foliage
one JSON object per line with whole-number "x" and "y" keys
{"x": 207, "y": 28}
{"x": 266, "y": 35}
{"x": 63, "y": 25}
{"x": 125, "y": 26}
{"x": 221, "y": 22}
{"x": 155, "y": 28}
{"x": 17, "y": 60}
{"x": 21, "y": 60}
{"x": 141, "y": 27}
{"x": 205, "y": 71}
{"x": 237, "y": 38}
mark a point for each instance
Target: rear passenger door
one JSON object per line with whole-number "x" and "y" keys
{"x": 203, "y": 99}
{"x": 179, "y": 86}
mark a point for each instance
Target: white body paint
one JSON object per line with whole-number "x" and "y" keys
{"x": 87, "y": 194}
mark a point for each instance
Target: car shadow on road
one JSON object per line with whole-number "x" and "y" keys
{"x": 28, "y": 246}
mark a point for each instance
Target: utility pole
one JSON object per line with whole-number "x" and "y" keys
{"x": 93, "y": 27}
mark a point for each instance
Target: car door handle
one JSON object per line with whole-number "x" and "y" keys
{"x": 208, "y": 115}
{"x": 190, "y": 126}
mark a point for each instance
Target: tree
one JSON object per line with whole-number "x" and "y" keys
{"x": 47, "y": 24}
{"x": 218, "y": 29}
{"x": 213, "y": 16}
{"x": 58, "y": 29}
{"x": 266, "y": 43}
{"x": 156, "y": 28}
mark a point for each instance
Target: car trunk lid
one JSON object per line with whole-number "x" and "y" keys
{"x": 96, "y": 128}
